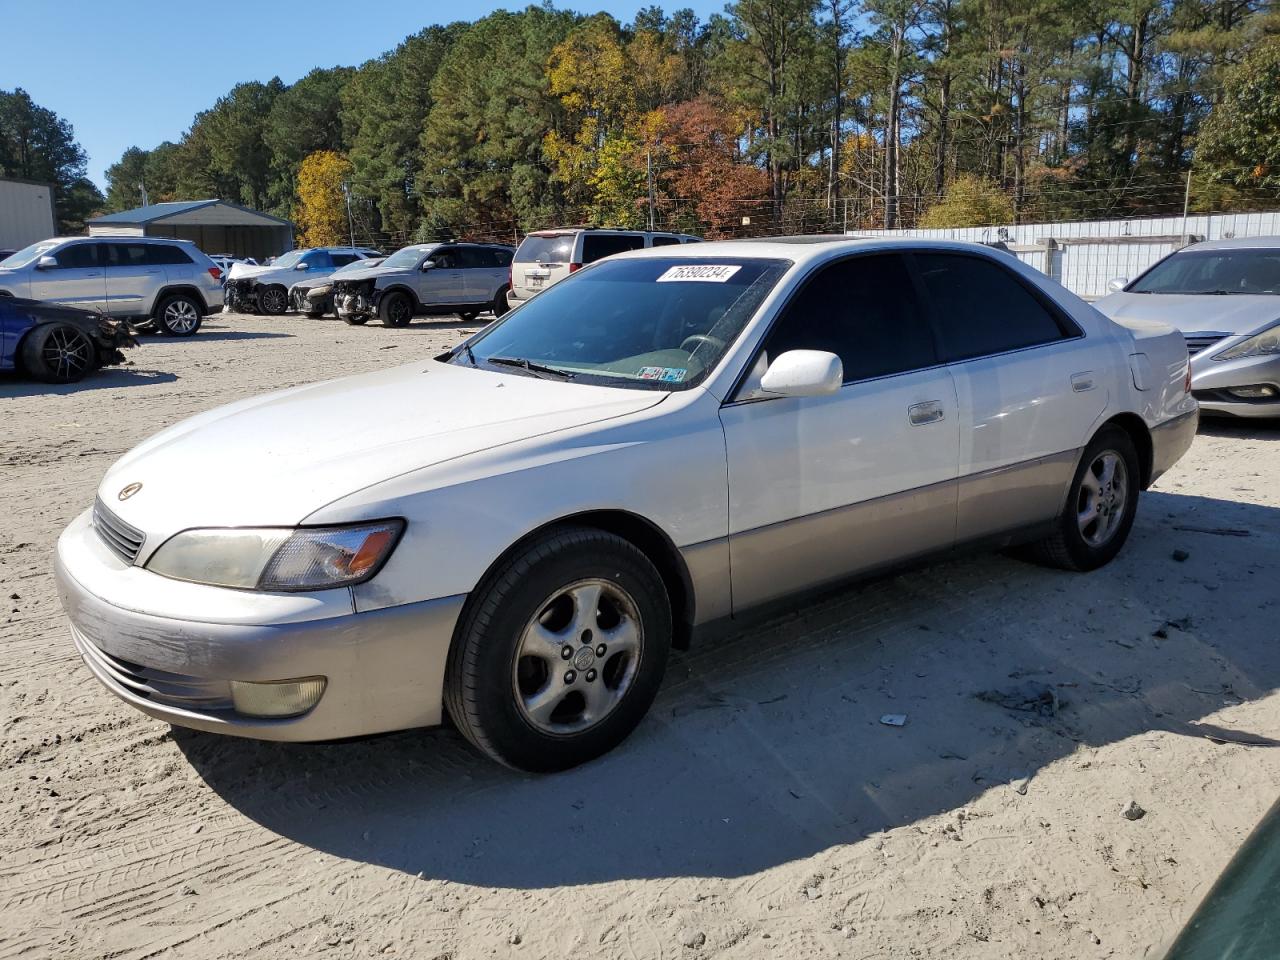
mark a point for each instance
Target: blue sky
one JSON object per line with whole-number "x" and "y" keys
{"x": 134, "y": 72}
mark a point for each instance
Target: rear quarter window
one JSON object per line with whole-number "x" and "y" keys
{"x": 597, "y": 246}
{"x": 538, "y": 248}
{"x": 166, "y": 254}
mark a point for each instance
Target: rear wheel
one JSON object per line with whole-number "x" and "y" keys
{"x": 395, "y": 310}
{"x": 356, "y": 319}
{"x": 178, "y": 316}
{"x": 500, "y": 305}
{"x": 58, "y": 353}
{"x": 273, "y": 300}
{"x": 466, "y": 316}
{"x": 1101, "y": 506}
{"x": 561, "y": 651}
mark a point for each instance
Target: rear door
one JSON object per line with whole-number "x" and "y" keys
{"x": 133, "y": 277}
{"x": 485, "y": 272}
{"x": 541, "y": 260}
{"x": 1028, "y": 385}
{"x": 78, "y": 280}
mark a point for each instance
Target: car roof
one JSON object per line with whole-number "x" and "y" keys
{"x": 807, "y": 248}
{"x": 1236, "y": 243}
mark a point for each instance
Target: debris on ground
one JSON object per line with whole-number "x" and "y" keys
{"x": 894, "y": 719}
{"x": 1037, "y": 698}
{"x": 692, "y": 938}
{"x": 1215, "y": 531}
{"x": 1133, "y": 811}
{"x": 1181, "y": 556}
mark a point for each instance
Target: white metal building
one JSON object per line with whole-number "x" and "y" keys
{"x": 215, "y": 226}
{"x": 26, "y": 213}
{"x": 1083, "y": 256}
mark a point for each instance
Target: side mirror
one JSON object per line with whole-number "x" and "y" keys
{"x": 803, "y": 373}
{"x": 46, "y": 263}
{"x": 301, "y": 266}
{"x": 1116, "y": 284}
{"x": 428, "y": 264}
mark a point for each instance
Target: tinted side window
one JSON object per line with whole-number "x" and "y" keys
{"x": 126, "y": 254}
{"x": 666, "y": 241}
{"x": 501, "y": 258}
{"x": 78, "y": 256}
{"x": 445, "y": 259}
{"x": 342, "y": 259}
{"x": 472, "y": 257}
{"x": 161, "y": 254}
{"x": 596, "y": 246}
{"x": 865, "y": 311}
{"x": 318, "y": 260}
{"x": 982, "y": 308}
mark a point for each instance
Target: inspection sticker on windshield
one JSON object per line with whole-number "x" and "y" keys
{"x": 700, "y": 273}
{"x": 665, "y": 374}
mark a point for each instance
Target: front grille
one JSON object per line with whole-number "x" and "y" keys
{"x": 171, "y": 689}
{"x": 1197, "y": 342}
{"x": 122, "y": 540}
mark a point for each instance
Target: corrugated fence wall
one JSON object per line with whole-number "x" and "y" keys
{"x": 1083, "y": 256}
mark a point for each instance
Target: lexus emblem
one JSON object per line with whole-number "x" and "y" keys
{"x": 129, "y": 491}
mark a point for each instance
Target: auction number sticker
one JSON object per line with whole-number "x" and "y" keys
{"x": 699, "y": 273}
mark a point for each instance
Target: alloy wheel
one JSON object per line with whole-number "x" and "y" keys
{"x": 181, "y": 316}
{"x": 1104, "y": 494}
{"x": 578, "y": 656}
{"x": 67, "y": 353}
{"x": 274, "y": 300}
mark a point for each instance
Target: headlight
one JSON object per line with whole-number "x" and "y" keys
{"x": 273, "y": 558}
{"x": 320, "y": 291}
{"x": 1266, "y": 343}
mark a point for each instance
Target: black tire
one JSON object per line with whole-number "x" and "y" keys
{"x": 500, "y": 304}
{"x": 466, "y": 316}
{"x": 395, "y": 310}
{"x": 273, "y": 300}
{"x": 313, "y": 315}
{"x": 1068, "y": 547}
{"x": 58, "y": 353}
{"x": 178, "y": 315}
{"x": 482, "y": 685}
{"x": 356, "y": 319}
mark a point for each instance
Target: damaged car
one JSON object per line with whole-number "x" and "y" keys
{"x": 58, "y": 344}
{"x": 428, "y": 280}
{"x": 314, "y": 298}
{"x": 265, "y": 289}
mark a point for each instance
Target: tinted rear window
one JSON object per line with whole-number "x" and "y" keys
{"x": 166, "y": 253}
{"x": 544, "y": 249}
{"x": 597, "y": 246}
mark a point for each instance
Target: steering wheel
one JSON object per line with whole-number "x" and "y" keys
{"x": 698, "y": 339}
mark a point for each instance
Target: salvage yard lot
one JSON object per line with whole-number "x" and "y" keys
{"x": 761, "y": 810}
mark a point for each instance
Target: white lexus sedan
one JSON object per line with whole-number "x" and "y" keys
{"x": 667, "y": 439}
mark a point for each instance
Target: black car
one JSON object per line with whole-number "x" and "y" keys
{"x": 58, "y": 344}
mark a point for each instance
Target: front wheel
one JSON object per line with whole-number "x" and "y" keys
{"x": 58, "y": 353}
{"x": 1101, "y": 506}
{"x": 395, "y": 310}
{"x": 273, "y": 300}
{"x": 561, "y": 651}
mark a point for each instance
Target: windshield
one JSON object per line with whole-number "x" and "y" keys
{"x": 406, "y": 258}
{"x": 28, "y": 254}
{"x": 288, "y": 259}
{"x": 1213, "y": 271}
{"x": 653, "y": 322}
{"x": 542, "y": 249}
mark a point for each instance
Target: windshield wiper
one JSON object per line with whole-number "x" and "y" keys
{"x": 1209, "y": 293}
{"x": 537, "y": 369}
{"x": 465, "y": 350}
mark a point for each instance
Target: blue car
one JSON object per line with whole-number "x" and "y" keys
{"x": 58, "y": 344}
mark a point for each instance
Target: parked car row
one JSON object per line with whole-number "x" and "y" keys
{"x": 265, "y": 289}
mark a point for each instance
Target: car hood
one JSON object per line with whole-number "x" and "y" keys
{"x": 1231, "y": 313}
{"x": 285, "y": 275}
{"x": 373, "y": 273}
{"x": 275, "y": 459}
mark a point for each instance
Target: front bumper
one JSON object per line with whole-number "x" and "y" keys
{"x": 1212, "y": 381}
{"x": 384, "y": 668}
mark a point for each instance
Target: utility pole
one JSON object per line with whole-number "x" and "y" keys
{"x": 1186, "y": 205}
{"x": 351, "y": 226}
{"x": 648, "y": 163}
{"x": 143, "y": 187}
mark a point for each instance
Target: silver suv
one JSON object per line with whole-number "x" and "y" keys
{"x": 427, "y": 279}
{"x": 167, "y": 285}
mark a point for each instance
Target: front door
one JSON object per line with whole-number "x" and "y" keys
{"x": 444, "y": 283}
{"x": 76, "y": 281}
{"x": 821, "y": 488}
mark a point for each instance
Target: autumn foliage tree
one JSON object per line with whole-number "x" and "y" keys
{"x": 321, "y": 212}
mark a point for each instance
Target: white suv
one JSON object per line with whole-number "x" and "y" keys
{"x": 168, "y": 285}
{"x": 548, "y": 256}
{"x": 266, "y": 288}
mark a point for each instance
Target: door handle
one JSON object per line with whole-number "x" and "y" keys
{"x": 928, "y": 412}
{"x": 1080, "y": 382}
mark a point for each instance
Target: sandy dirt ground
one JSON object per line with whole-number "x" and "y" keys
{"x": 761, "y": 810}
